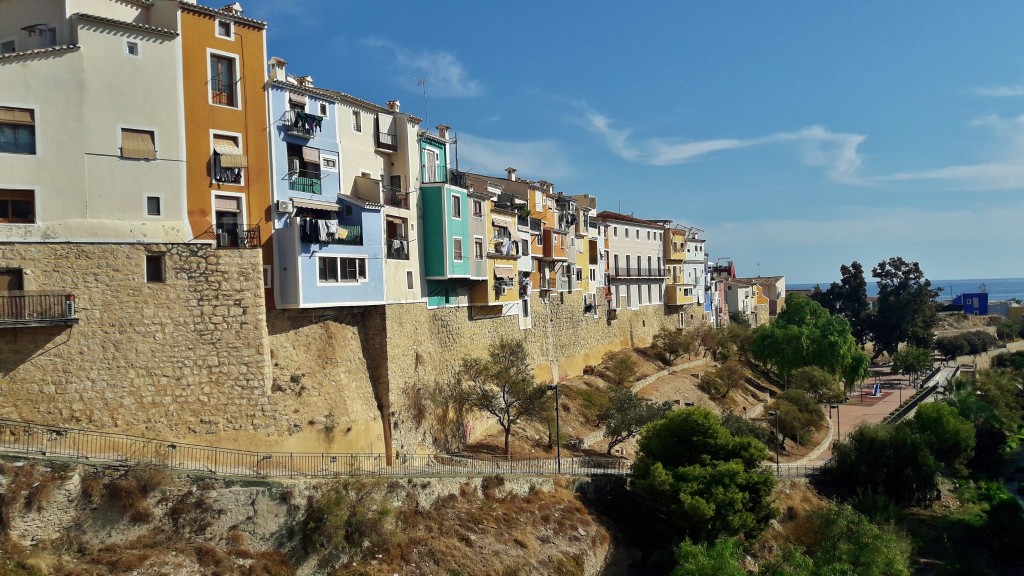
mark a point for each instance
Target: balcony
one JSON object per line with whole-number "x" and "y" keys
{"x": 25, "y": 309}
{"x": 239, "y": 238}
{"x": 306, "y": 181}
{"x": 636, "y": 273}
{"x": 395, "y": 197}
{"x": 397, "y": 248}
{"x": 446, "y": 175}
{"x": 310, "y": 233}
{"x": 227, "y": 175}
{"x": 302, "y": 124}
{"x": 387, "y": 142}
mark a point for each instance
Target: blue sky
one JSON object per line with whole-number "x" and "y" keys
{"x": 798, "y": 135}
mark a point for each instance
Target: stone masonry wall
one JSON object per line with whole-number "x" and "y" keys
{"x": 185, "y": 356}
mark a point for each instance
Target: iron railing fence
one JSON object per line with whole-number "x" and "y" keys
{"x": 36, "y": 305}
{"x": 42, "y": 440}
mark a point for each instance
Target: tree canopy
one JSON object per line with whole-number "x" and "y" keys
{"x": 707, "y": 482}
{"x": 503, "y": 385}
{"x": 805, "y": 334}
{"x": 849, "y": 298}
{"x": 906, "y": 308}
{"x": 626, "y": 414}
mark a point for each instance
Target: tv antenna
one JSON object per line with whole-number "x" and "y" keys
{"x": 422, "y": 83}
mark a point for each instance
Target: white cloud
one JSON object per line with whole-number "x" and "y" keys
{"x": 837, "y": 152}
{"x": 444, "y": 74}
{"x": 1004, "y": 172}
{"x": 540, "y": 158}
{"x": 1001, "y": 91}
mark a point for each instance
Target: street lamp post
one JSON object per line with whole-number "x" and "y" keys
{"x": 836, "y": 406}
{"x": 778, "y": 467}
{"x": 558, "y": 431}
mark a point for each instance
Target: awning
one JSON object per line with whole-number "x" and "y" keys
{"x": 297, "y": 99}
{"x": 16, "y": 116}
{"x": 227, "y": 204}
{"x": 137, "y": 144}
{"x": 230, "y": 155}
{"x": 501, "y": 221}
{"x": 315, "y": 204}
{"x": 311, "y": 155}
{"x": 505, "y": 273}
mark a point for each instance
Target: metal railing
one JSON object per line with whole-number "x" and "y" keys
{"x": 306, "y": 181}
{"x": 223, "y": 92}
{"x": 36, "y": 306}
{"x": 394, "y": 196}
{"x": 310, "y": 233}
{"x": 635, "y": 272}
{"x": 239, "y": 238}
{"x": 387, "y": 141}
{"x": 397, "y": 249}
{"x": 302, "y": 124}
{"x": 55, "y": 441}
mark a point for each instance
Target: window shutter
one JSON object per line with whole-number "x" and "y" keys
{"x": 311, "y": 155}
{"x": 230, "y": 155}
{"x": 137, "y": 144}
{"x": 19, "y": 116}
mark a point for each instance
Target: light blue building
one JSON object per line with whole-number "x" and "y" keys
{"x": 328, "y": 247}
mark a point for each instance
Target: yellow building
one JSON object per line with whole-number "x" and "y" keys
{"x": 226, "y": 142}
{"x": 502, "y": 247}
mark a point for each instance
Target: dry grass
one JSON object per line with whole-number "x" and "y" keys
{"x": 129, "y": 493}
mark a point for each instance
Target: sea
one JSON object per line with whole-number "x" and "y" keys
{"x": 997, "y": 288}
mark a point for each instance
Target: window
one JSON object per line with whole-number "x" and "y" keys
{"x": 17, "y": 131}
{"x": 328, "y": 164}
{"x": 457, "y": 249}
{"x": 478, "y": 248}
{"x": 228, "y": 160}
{"x": 333, "y": 269}
{"x": 615, "y": 231}
{"x": 131, "y": 48}
{"x": 357, "y": 121}
{"x": 540, "y": 238}
{"x": 322, "y": 109}
{"x": 225, "y": 29}
{"x": 222, "y": 81}
{"x": 648, "y": 234}
{"x": 478, "y": 208}
{"x": 17, "y": 207}
{"x": 593, "y": 275}
{"x": 579, "y": 274}
{"x": 155, "y": 268}
{"x": 627, "y": 231}
{"x": 456, "y": 207}
{"x": 8, "y": 47}
{"x": 138, "y": 144}
{"x": 649, "y": 299}
{"x": 408, "y": 280}
{"x": 50, "y": 38}
{"x": 268, "y": 276}
{"x": 430, "y": 164}
{"x": 153, "y": 207}
{"x": 525, "y": 248}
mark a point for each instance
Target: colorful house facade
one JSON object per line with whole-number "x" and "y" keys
{"x": 447, "y": 262}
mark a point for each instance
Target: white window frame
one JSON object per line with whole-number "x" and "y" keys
{"x": 325, "y": 168}
{"x": 231, "y": 28}
{"x": 410, "y": 281}
{"x": 457, "y": 201}
{"x": 120, "y": 128}
{"x": 357, "y": 121}
{"x": 483, "y": 248}
{"x": 237, "y": 80}
{"x": 461, "y": 252}
{"x": 145, "y": 205}
{"x": 127, "y": 49}
{"x": 338, "y": 258}
{"x": 237, "y": 136}
{"x": 243, "y": 220}
{"x": 35, "y": 204}
{"x": 479, "y": 203}
{"x": 324, "y": 106}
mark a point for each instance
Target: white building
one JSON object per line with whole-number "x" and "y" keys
{"x": 636, "y": 269}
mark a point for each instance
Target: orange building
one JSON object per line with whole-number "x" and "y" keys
{"x": 226, "y": 142}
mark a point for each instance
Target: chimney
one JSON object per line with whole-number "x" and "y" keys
{"x": 235, "y": 9}
{"x": 510, "y": 174}
{"x": 442, "y": 130}
{"x": 394, "y": 105}
{"x": 277, "y": 72}
{"x": 304, "y": 81}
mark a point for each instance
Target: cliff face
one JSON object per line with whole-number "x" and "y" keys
{"x": 70, "y": 519}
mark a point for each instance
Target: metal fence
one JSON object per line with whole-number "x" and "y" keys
{"x": 36, "y": 439}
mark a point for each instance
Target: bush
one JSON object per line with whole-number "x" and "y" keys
{"x": 670, "y": 343}
{"x": 722, "y": 558}
{"x": 949, "y": 437}
{"x": 741, "y": 427}
{"x": 720, "y": 381}
{"x": 817, "y": 383}
{"x": 130, "y": 492}
{"x": 623, "y": 368}
{"x": 889, "y": 460}
{"x": 348, "y": 516}
{"x": 798, "y": 415}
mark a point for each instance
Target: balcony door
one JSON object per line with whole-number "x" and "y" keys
{"x": 228, "y": 221}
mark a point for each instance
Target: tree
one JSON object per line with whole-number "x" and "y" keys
{"x": 503, "y": 385}
{"x": 843, "y": 541}
{"x": 707, "y": 482}
{"x": 889, "y": 460}
{"x": 906, "y": 308}
{"x": 622, "y": 368}
{"x": 805, "y": 334}
{"x": 737, "y": 317}
{"x": 948, "y": 436}
{"x": 739, "y": 426}
{"x": 627, "y": 414}
{"x": 671, "y": 343}
{"x": 952, "y": 346}
{"x": 912, "y": 361}
{"x": 721, "y": 558}
{"x": 798, "y": 415}
{"x": 817, "y": 383}
{"x": 849, "y": 299}
{"x": 722, "y": 380}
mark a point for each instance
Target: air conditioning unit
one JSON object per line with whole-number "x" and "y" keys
{"x": 285, "y": 206}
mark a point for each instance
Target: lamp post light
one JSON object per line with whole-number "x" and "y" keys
{"x": 836, "y": 406}
{"x": 558, "y": 430}
{"x": 778, "y": 466}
